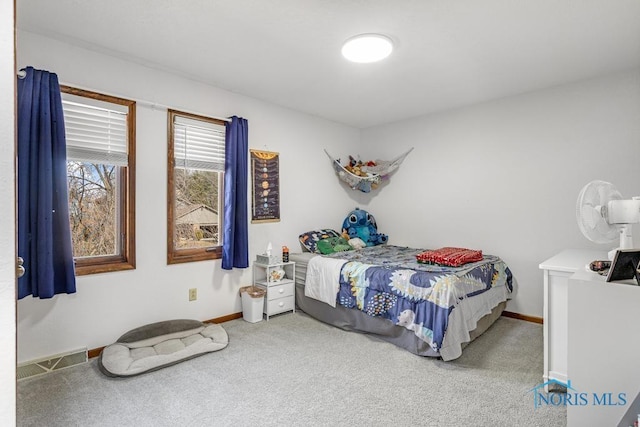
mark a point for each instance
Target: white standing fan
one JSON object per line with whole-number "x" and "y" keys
{"x": 603, "y": 216}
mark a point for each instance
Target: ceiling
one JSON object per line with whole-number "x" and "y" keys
{"x": 448, "y": 53}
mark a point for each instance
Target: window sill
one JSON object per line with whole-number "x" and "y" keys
{"x": 193, "y": 255}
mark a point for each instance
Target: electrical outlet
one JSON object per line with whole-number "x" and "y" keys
{"x": 193, "y": 294}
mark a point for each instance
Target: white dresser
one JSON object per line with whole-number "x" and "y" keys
{"x": 603, "y": 350}
{"x": 557, "y": 271}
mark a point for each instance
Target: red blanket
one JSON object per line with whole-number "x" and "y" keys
{"x": 453, "y": 257}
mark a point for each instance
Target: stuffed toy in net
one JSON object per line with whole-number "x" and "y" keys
{"x": 365, "y": 176}
{"x": 361, "y": 224}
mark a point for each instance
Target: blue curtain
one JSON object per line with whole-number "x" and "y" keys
{"x": 235, "y": 246}
{"x": 44, "y": 234}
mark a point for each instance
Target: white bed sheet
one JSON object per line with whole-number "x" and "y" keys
{"x": 322, "y": 281}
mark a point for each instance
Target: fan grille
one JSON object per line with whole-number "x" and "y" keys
{"x": 591, "y": 211}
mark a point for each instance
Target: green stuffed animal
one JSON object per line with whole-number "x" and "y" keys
{"x": 333, "y": 244}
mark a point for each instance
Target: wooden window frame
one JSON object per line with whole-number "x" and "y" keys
{"x": 126, "y": 260}
{"x": 177, "y": 256}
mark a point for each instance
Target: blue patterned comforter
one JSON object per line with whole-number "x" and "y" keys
{"x": 387, "y": 281}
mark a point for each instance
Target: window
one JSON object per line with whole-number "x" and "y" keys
{"x": 100, "y": 135}
{"x": 196, "y": 155}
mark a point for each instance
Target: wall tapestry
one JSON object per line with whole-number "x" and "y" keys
{"x": 265, "y": 179}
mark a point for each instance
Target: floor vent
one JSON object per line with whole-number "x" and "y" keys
{"x": 53, "y": 363}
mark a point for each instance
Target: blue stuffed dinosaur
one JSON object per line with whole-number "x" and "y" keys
{"x": 360, "y": 223}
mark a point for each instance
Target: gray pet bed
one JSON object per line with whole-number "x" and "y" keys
{"x": 161, "y": 344}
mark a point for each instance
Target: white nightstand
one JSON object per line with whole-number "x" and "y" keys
{"x": 280, "y": 296}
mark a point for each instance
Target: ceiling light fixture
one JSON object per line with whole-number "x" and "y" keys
{"x": 366, "y": 48}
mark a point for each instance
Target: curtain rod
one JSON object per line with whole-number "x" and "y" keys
{"x": 153, "y": 105}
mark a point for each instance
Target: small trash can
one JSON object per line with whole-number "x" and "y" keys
{"x": 252, "y": 303}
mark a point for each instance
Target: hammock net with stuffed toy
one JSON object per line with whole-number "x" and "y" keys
{"x": 365, "y": 176}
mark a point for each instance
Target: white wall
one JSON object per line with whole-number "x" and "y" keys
{"x": 504, "y": 176}
{"x": 107, "y": 305}
{"x": 7, "y": 218}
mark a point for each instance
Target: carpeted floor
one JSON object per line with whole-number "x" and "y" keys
{"x": 296, "y": 371}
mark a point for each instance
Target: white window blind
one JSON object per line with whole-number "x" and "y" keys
{"x": 96, "y": 132}
{"x": 198, "y": 144}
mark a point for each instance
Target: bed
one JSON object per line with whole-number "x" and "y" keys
{"x": 428, "y": 309}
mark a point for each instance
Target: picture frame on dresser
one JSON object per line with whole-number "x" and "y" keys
{"x": 625, "y": 266}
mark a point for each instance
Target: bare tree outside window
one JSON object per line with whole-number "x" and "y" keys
{"x": 93, "y": 199}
